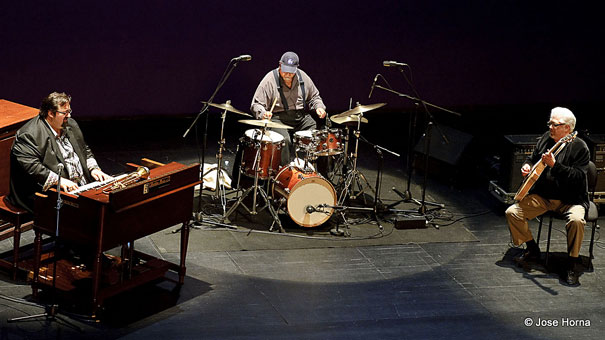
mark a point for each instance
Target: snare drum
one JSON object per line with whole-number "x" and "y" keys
{"x": 329, "y": 142}
{"x": 270, "y": 152}
{"x": 303, "y": 191}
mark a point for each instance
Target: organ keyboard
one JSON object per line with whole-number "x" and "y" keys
{"x": 100, "y": 221}
{"x": 95, "y": 185}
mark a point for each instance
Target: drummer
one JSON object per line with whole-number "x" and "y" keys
{"x": 297, "y": 96}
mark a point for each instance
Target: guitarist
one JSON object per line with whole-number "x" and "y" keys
{"x": 561, "y": 188}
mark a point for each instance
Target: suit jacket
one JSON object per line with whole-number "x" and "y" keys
{"x": 35, "y": 153}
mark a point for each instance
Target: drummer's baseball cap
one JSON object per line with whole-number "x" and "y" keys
{"x": 289, "y": 62}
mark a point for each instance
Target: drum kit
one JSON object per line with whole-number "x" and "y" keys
{"x": 308, "y": 197}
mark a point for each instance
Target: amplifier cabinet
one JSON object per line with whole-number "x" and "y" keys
{"x": 515, "y": 149}
{"x": 596, "y": 145}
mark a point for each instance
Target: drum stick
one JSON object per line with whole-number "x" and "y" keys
{"x": 273, "y": 105}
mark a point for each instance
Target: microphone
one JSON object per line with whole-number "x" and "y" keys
{"x": 60, "y": 169}
{"x": 373, "y": 84}
{"x": 243, "y": 57}
{"x": 390, "y": 63}
{"x": 310, "y": 209}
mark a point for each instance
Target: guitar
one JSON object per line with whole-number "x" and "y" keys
{"x": 538, "y": 168}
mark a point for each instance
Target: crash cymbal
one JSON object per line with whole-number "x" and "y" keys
{"x": 347, "y": 120}
{"x": 227, "y": 106}
{"x": 359, "y": 109}
{"x": 265, "y": 122}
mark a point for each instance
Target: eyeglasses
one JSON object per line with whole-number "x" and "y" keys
{"x": 68, "y": 112}
{"x": 549, "y": 124}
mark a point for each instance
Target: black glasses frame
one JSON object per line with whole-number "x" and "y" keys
{"x": 549, "y": 124}
{"x": 68, "y": 112}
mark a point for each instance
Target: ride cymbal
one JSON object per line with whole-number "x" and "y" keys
{"x": 359, "y": 109}
{"x": 265, "y": 122}
{"x": 347, "y": 120}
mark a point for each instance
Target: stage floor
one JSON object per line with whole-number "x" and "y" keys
{"x": 456, "y": 281}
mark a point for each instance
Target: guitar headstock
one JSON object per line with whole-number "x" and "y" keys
{"x": 570, "y": 137}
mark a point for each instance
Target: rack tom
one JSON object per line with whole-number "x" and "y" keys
{"x": 305, "y": 140}
{"x": 329, "y": 142}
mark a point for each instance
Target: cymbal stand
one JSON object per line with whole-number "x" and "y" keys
{"x": 220, "y": 187}
{"x": 255, "y": 189}
{"x": 354, "y": 176}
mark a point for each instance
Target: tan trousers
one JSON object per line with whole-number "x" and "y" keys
{"x": 518, "y": 214}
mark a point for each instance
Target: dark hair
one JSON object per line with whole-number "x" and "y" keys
{"x": 52, "y": 103}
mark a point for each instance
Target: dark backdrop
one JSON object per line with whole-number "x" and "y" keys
{"x": 493, "y": 61}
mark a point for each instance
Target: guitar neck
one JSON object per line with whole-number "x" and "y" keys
{"x": 555, "y": 150}
{"x": 559, "y": 149}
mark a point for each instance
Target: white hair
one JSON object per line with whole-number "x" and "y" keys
{"x": 565, "y": 115}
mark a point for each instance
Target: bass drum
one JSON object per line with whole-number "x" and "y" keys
{"x": 302, "y": 190}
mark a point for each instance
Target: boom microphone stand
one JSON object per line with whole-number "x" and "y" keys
{"x": 427, "y": 133}
{"x": 230, "y": 67}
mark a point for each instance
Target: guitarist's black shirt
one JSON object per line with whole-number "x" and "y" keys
{"x": 566, "y": 180}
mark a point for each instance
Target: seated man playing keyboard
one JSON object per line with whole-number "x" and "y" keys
{"x": 50, "y": 139}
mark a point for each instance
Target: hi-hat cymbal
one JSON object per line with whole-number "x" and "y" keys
{"x": 265, "y": 122}
{"x": 359, "y": 109}
{"x": 347, "y": 120}
{"x": 227, "y": 106}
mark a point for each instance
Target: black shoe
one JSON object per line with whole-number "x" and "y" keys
{"x": 528, "y": 257}
{"x": 573, "y": 277}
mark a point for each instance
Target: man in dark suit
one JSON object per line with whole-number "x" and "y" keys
{"x": 50, "y": 139}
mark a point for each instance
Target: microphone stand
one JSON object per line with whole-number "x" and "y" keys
{"x": 230, "y": 67}
{"x": 430, "y": 124}
{"x": 379, "y": 150}
{"x": 408, "y": 195}
{"x": 341, "y": 209}
{"x": 336, "y": 231}
{"x": 50, "y": 311}
{"x": 378, "y": 182}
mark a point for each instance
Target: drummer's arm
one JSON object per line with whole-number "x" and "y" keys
{"x": 263, "y": 97}
{"x": 314, "y": 99}
{"x": 319, "y": 106}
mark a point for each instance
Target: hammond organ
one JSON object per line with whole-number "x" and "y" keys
{"x": 101, "y": 221}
